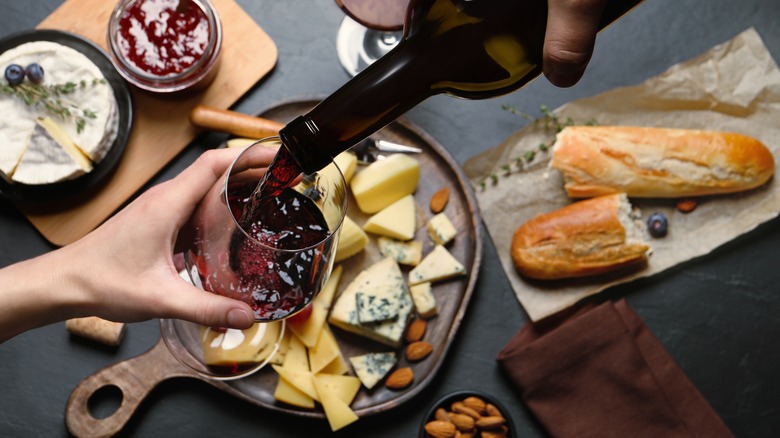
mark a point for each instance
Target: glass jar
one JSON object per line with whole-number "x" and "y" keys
{"x": 158, "y": 49}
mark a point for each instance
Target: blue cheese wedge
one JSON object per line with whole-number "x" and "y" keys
{"x": 438, "y": 265}
{"x": 377, "y": 293}
{"x": 51, "y": 156}
{"x": 371, "y": 368}
{"x": 344, "y": 313}
{"x": 406, "y": 253}
{"x": 441, "y": 230}
{"x": 424, "y": 301}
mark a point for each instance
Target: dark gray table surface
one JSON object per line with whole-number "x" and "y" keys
{"x": 718, "y": 316}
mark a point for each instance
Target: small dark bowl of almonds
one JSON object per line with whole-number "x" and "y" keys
{"x": 467, "y": 413}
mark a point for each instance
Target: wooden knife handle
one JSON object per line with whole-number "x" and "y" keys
{"x": 233, "y": 122}
{"x": 134, "y": 377}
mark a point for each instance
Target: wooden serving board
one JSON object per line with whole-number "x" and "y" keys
{"x": 161, "y": 128}
{"x": 439, "y": 169}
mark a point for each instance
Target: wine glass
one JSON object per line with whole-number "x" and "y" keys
{"x": 370, "y": 29}
{"x": 276, "y": 258}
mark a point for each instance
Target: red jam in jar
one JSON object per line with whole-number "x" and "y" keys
{"x": 159, "y": 48}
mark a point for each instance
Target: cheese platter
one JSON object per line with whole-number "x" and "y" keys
{"x": 377, "y": 356}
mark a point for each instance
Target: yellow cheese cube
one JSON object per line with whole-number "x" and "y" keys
{"x": 396, "y": 220}
{"x": 385, "y": 181}
{"x": 352, "y": 240}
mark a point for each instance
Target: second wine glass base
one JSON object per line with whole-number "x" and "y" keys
{"x": 358, "y": 46}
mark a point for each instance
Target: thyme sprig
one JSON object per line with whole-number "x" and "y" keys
{"x": 551, "y": 123}
{"x": 50, "y": 98}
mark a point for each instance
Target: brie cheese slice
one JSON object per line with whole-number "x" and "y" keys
{"x": 50, "y": 157}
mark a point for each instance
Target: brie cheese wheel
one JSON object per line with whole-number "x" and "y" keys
{"x": 61, "y": 65}
{"x": 50, "y": 157}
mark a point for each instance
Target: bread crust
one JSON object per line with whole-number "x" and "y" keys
{"x": 581, "y": 239}
{"x": 658, "y": 162}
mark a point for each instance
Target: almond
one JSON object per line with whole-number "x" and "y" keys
{"x": 416, "y": 330}
{"x": 462, "y": 422}
{"x": 440, "y": 429}
{"x": 461, "y": 408}
{"x": 418, "y": 350}
{"x": 492, "y": 410}
{"x": 400, "y": 378}
{"x": 442, "y": 415}
{"x": 492, "y": 422}
{"x": 475, "y": 403}
{"x": 686, "y": 205}
{"x": 439, "y": 200}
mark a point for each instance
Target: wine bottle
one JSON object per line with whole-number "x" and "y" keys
{"x": 473, "y": 49}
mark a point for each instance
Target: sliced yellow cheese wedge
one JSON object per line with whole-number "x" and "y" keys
{"x": 338, "y": 366}
{"x": 396, "y": 220}
{"x": 352, "y": 240}
{"x": 336, "y": 410}
{"x": 301, "y": 380}
{"x": 297, "y": 358}
{"x": 344, "y": 387}
{"x": 384, "y": 182}
{"x": 231, "y": 346}
{"x": 324, "y": 351}
{"x": 347, "y": 162}
{"x": 309, "y": 330}
{"x": 287, "y": 393}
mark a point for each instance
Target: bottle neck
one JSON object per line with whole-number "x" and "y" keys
{"x": 378, "y": 95}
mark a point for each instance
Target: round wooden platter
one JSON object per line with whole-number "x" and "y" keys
{"x": 438, "y": 170}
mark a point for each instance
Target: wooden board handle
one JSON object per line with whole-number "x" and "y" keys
{"x": 233, "y": 122}
{"x": 135, "y": 378}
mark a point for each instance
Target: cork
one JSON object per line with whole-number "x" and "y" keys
{"x": 97, "y": 329}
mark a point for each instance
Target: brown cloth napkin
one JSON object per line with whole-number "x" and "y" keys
{"x": 597, "y": 371}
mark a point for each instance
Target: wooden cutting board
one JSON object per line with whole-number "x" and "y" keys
{"x": 161, "y": 128}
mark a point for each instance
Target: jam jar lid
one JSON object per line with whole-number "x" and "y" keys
{"x": 158, "y": 49}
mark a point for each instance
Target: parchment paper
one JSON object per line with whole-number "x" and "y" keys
{"x": 735, "y": 86}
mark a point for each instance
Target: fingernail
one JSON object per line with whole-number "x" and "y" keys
{"x": 239, "y": 318}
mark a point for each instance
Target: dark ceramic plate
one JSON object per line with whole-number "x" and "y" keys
{"x": 452, "y": 397}
{"x": 102, "y": 170}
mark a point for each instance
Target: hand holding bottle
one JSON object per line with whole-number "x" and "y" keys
{"x": 569, "y": 39}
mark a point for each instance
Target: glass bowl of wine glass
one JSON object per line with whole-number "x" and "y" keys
{"x": 370, "y": 29}
{"x": 274, "y": 251}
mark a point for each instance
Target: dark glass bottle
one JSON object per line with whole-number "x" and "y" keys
{"x": 473, "y": 49}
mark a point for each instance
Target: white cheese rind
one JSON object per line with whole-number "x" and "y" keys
{"x": 46, "y": 161}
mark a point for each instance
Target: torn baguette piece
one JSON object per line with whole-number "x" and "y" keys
{"x": 586, "y": 238}
{"x": 658, "y": 162}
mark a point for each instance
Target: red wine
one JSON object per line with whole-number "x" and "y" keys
{"x": 473, "y": 49}
{"x": 276, "y": 261}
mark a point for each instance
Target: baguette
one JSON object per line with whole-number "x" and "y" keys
{"x": 582, "y": 239}
{"x": 658, "y": 162}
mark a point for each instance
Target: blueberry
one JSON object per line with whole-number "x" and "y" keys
{"x": 657, "y": 225}
{"x": 14, "y": 74}
{"x": 34, "y": 73}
